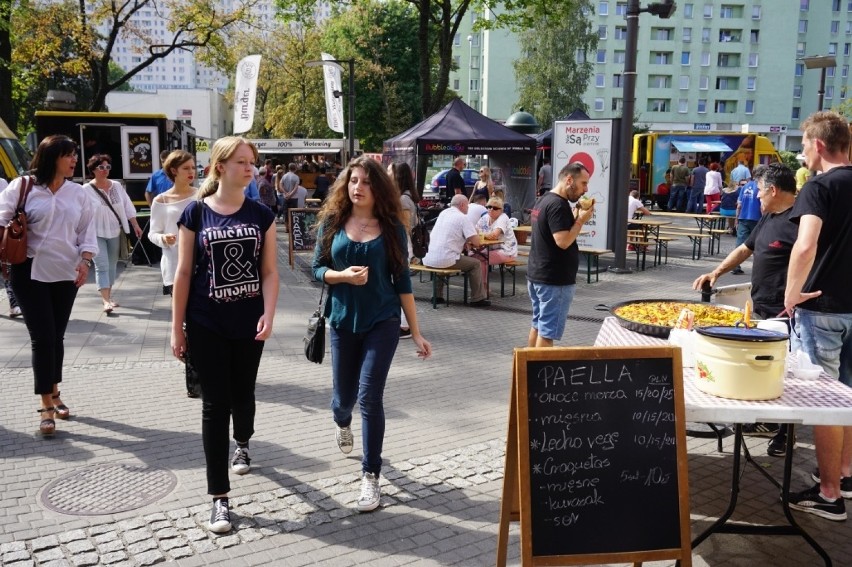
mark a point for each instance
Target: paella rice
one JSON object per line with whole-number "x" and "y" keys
{"x": 666, "y": 313}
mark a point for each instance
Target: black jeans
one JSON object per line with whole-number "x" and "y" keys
{"x": 46, "y": 307}
{"x": 227, "y": 370}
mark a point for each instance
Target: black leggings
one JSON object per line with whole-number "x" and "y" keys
{"x": 227, "y": 370}
{"x": 46, "y": 307}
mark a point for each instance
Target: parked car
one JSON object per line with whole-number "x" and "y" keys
{"x": 433, "y": 189}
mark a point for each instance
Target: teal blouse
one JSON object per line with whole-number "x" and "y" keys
{"x": 357, "y": 308}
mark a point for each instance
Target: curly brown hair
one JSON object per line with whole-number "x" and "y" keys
{"x": 337, "y": 208}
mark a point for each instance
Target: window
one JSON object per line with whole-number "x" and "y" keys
{"x": 804, "y": 5}
{"x": 728, "y": 60}
{"x": 849, "y": 6}
{"x": 659, "y": 82}
{"x": 457, "y": 61}
{"x": 580, "y": 56}
{"x": 599, "y": 104}
{"x": 684, "y": 82}
{"x": 661, "y": 57}
{"x": 617, "y": 104}
{"x": 800, "y": 69}
{"x": 755, "y": 12}
{"x": 725, "y": 106}
{"x": 705, "y": 35}
{"x": 749, "y": 107}
{"x": 727, "y": 12}
{"x": 754, "y": 37}
{"x": 457, "y": 40}
{"x": 599, "y": 80}
{"x": 687, "y": 11}
{"x": 603, "y": 9}
{"x": 800, "y": 49}
{"x": 684, "y": 58}
{"x": 601, "y": 56}
{"x": 752, "y": 59}
{"x": 829, "y": 92}
{"x": 830, "y": 72}
{"x": 601, "y": 32}
{"x": 618, "y": 57}
{"x": 682, "y": 105}
{"x": 708, "y": 12}
{"x": 844, "y": 71}
{"x": 474, "y": 61}
{"x": 727, "y": 83}
{"x": 687, "y": 35}
{"x": 846, "y": 47}
{"x": 474, "y": 84}
{"x": 832, "y": 49}
{"x": 705, "y": 59}
{"x": 703, "y": 82}
{"x": 620, "y": 32}
{"x": 803, "y": 26}
{"x": 843, "y": 93}
{"x": 621, "y": 8}
{"x": 662, "y": 34}
{"x": 617, "y": 81}
{"x": 835, "y": 27}
{"x": 797, "y": 91}
{"x": 848, "y": 28}
{"x": 702, "y": 105}
{"x": 658, "y": 105}
{"x": 796, "y": 112}
{"x": 726, "y": 36}
{"x": 751, "y": 84}
{"x": 455, "y": 84}
{"x": 835, "y": 5}
{"x": 474, "y": 40}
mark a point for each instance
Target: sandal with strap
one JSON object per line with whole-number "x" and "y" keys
{"x": 46, "y": 426}
{"x": 62, "y": 411}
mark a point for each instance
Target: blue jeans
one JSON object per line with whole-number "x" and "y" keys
{"x": 827, "y": 339}
{"x": 105, "y": 261}
{"x": 550, "y": 305}
{"x": 360, "y": 363}
{"x": 696, "y": 200}
{"x": 744, "y": 228}
{"x": 678, "y": 198}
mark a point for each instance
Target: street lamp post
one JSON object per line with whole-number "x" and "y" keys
{"x": 821, "y": 62}
{"x": 664, "y": 10}
{"x": 469, "y": 67}
{"x": 338, "y": 94}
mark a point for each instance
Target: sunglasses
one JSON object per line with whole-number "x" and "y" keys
{"x": 493, "y": 208}
{"x": 105, "y": 167}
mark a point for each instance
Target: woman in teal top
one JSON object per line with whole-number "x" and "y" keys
{"x": 361, "y": 253}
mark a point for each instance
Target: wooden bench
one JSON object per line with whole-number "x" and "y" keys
{"x": 640, "y": 247}
{"x": 509, "y": 266}
{"x": 442, "y": 275}
{"x": 663, "y": 244}
{"x": 593, "y": 261}
{"x": 695, "y": 237}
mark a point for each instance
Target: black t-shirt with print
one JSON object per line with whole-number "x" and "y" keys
{"x": 225, "y": 292}
{"x": 548, "y": 263}
{"x": 771, "y": 241}
{"x": 829, "y": 197}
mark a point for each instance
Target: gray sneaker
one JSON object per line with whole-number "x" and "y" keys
{"x": 344, "y": 439}
{"x": 240, "y": 462}
{"x": 370, "y": 493}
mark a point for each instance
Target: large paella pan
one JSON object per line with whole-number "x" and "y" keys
{"x": 657, "y": 317}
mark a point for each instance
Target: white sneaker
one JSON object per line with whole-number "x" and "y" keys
{"x": 220, "y": 518}
{"x": 370, "y": 493}
{"x": 344, "y": 439}
{"x": 15, "y": 312}
{"x": 240, "y": 462}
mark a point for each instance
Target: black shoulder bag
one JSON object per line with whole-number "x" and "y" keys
{"x": 315, "y": 336}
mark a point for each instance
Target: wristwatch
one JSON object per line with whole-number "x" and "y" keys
{"x": 88, "y": 262}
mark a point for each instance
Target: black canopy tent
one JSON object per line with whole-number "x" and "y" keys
{"x": 544, "y": 141}
{"x": 458, "y": 129}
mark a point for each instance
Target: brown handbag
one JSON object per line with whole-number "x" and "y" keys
{"x": 13, "y": 236}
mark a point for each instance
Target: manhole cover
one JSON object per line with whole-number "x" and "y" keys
{"x": 107, "y": 489}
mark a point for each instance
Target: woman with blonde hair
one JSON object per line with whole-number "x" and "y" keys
{"x": 495, "y": 225}
{"x": 361, "y": 255}
{"x": 225, "y": 290}
{"x": 403, "y": 177}
{"x": 484, "y": 186}
{"x": 166, "y": 209}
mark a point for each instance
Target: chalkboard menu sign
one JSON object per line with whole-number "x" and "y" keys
{"x": 601, "y": 452}
{"x": 303, "y": 237}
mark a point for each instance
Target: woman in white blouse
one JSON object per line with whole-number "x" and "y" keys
{"x": 496, "y": 225}
{"x": 60, "y": 245}
{"x": 114, "y": 213}
{"x": 166, "y": 210}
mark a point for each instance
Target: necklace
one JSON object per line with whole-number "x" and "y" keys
{"x": 365, "y": 226}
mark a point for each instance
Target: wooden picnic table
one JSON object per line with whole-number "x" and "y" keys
{"x": 704, "y": 221}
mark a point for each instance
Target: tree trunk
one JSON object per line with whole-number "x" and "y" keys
{"x": 7, "y": 109}
{"x": 425, "y": 69}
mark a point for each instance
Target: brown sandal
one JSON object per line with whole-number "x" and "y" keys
{"x": 61, "y": 411}
{"x": 46, "y": 426}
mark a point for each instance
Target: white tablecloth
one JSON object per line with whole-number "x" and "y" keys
{"x": 824, "y": 401}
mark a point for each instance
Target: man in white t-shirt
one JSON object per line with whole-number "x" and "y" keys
{"x": 451, "y": 234}
{"x": 476, "y": 208}
{"x": 634, "y": 205}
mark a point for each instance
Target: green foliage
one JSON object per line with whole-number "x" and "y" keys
{"x": 789, "y": 159}
{"x": 551, "y": 82}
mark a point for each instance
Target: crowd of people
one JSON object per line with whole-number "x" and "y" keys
{"x": 220, "y": 267}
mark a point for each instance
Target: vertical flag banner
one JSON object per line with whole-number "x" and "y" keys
{"x": 333, "y": 104}
{"x": 246, "y": 90}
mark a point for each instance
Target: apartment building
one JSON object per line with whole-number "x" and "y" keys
{"x": 716, "y": 65}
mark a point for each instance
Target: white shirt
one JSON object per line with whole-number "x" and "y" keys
{"x": 164, "y": 217}
{"x": 475, "y": 212}
{"x": 448, "y": 237}
{"x": 106, "y": 225}
{"x": 510, "y": 243}
{"x": 633, "y": 205}
{"x": 713, "y": 183}
{"x": 59, "y": 228}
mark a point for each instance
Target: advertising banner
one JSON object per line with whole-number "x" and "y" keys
{"x": 245, "y": 92}
{"x": 590, "y": 143}
{"x": 333, "y": 104}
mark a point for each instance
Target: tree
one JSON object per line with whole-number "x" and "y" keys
{"x": 554, "y": 70}
{"x": 7, "y": 110}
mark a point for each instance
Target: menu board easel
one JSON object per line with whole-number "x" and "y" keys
{"x": 596, "y": 466}
{"x": 303, "y": 236}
